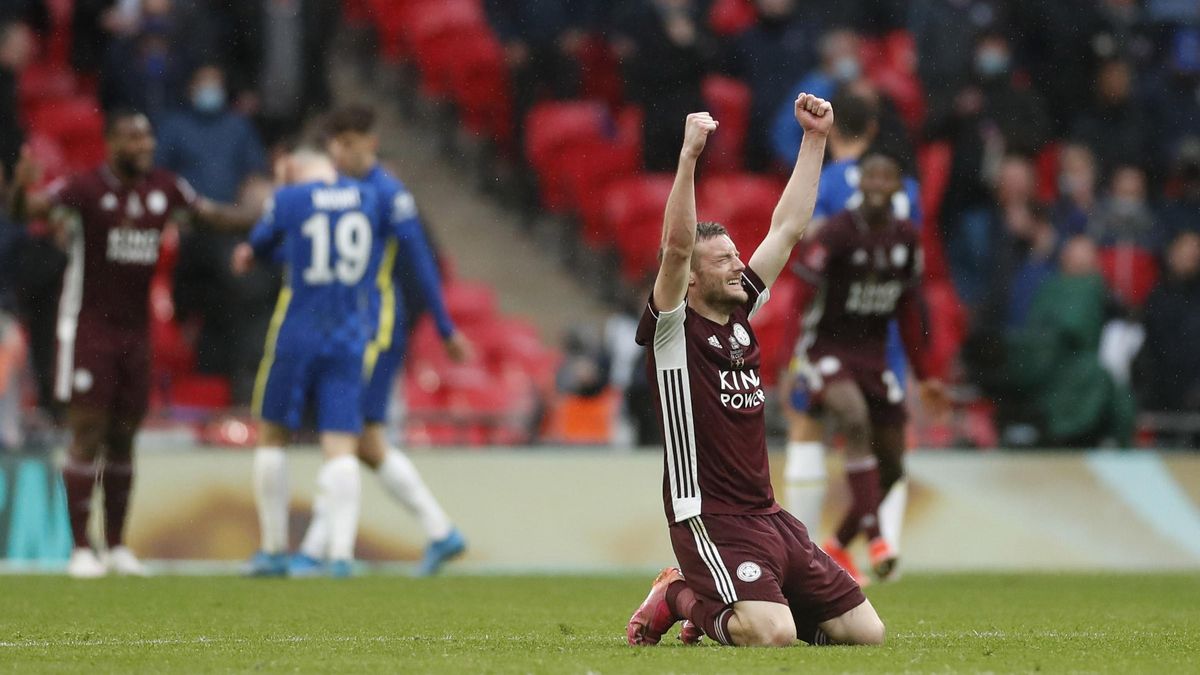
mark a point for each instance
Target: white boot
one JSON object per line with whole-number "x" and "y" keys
{"x": 123, "y": 562}
{"x": 85, "y": 565}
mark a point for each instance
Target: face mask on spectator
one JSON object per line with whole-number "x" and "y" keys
{"x": 991, "y": 62}
{"x": 846, "y": 69}
{"x": 209, "y": 98}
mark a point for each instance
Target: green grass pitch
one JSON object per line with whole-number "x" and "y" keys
{"x": 575, "y": 624}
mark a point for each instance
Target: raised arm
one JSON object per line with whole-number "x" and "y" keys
{"x": 795, "y": 207}
{"x": 679, "y": 220}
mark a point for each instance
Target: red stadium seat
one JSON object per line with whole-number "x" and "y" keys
{"x": 78, "y": 125}
{"x": 1047, "y": 172}
{"x": 1131, "y": 272}
{"x": 552, "y": 129}
{"x": 633, "y": 212}
{"x": 743, "y": 203}
{"x": 933, "y": 165}
{"x": 890, "y": 63}
{"x": 730, "y": 17}
{"x": 470, "y": 302}
{"x": 729, "y": 101}
{"x": 588, "y": 169}
{"x": 437, "y": 34}
{"x": 947, "y": 324}
{"x": 479, "y": 85}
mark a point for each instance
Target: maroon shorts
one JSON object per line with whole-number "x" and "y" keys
{"x": 768, "y": 558}
{"x": 880, "y": 387}
{"x": 106, "y": 369}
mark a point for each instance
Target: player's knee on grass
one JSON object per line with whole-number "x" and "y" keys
{"x": 762, "y": 624}
{"x": 859, "y": 626}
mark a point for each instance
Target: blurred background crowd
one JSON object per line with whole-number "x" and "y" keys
{"x": 1056, "y": 145}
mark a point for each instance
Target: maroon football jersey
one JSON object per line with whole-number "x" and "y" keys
{"x": 706, "y": 376}
{"x": 114, "y": 232}
{"x": 861, "y": 274}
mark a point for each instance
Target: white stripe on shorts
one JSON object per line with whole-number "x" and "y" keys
{"x": 712, "y": 559}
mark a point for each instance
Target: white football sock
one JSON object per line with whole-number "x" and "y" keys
{"x": 340, "y": 488}
{"x": 271, "y": 498}
{"x": 891, "y": 513}
{"x": 404, "y": 484}
{"x": 316, "y": 537}
{"x": 804, "y": 473}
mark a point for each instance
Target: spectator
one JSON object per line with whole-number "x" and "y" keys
{"x": 971, "y": 239}
{"x": 90, "y": 34}
{"x": 1175, "y": 93}
{"x": 945, "y": 32}
{"x": 33, "y": 13}
{"x": 543, "y": 41}
{"x": 213, "y": 147}
{"x": 768, "y": 56}
{"x": 585, "y": 367}
{"x": 1115, "y": 127}
{"x": 1024, "y": 259}
{"x": 16, "y": 51}
{"x": 1055, "y": 359}
{"x": 665, "y": 48}
{"x": 276, "y": 57}
{"x": 1170, "y": 360}
{"x": 1124, "y": 217}
{"x": 1181, "y": 213}
{"x": 840, "y": 65}
{"x": 1053, "y": 41}
{"x": 1122, "y": 32}
{"x": 1076, "y": 190}
{"x": 989, "y": 116}
{"x": 147, "y": 69}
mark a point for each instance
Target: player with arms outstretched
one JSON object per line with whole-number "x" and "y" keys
{"x": 326, "y": 229}
{"x": 111, "y": 221}
{"x": 407, "y": 276}
{"x": 862, "y": 269}
{"x": 750, "y": 575}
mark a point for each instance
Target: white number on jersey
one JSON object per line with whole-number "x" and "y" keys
{"x": 868, "y": 298}
{"x": 351, "y": 237}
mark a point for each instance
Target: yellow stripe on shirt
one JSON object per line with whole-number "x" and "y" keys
{"x": 264, "y": 368}
{"x": 387, "y": 309}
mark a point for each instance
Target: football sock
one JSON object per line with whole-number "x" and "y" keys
{"x": 316, "y": 538}
{"x": 79, "y": 479}
{"x": 117, "y": 480}
{"x": 404, "y": 484}
{"x": 271, "y": 498}
{"x": 863, "y": 476}
{"x": 340, "y": 485}
{"x": 711, "y": 615}
{"x": 805, "y": 476}
{"x": 891, "y": 514}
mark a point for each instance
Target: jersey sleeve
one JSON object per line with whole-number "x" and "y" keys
{"x": 416, "y": 257}
{"x": 757, "y": 292}
{"x": 663, "y": 331}
{"x": 183, "y": 196}
{"x": 267, "y": 234}
{"x": 66, "y": 192}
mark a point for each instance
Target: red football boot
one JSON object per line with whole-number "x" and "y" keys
{"x": 654, "y": 617}
{"x": 842, "y": 557}
{"x": 883, "y": 558}
{"x": 690, "y": 633}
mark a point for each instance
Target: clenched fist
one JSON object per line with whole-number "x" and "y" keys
{"x": 695, "y": 133}
{"x": 814, "y": 114}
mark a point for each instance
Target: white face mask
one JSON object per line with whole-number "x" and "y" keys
{"x": 846, "y": 69}
{"x": 209, "y": 98}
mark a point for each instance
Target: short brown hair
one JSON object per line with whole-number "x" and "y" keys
{"x": 707, "y": 229}
{"x": 359, "y": 119}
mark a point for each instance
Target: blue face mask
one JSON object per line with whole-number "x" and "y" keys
{"x": 991, "y": 62}
{"x": 209, "y": 98}
{"x": 846, "y": 69}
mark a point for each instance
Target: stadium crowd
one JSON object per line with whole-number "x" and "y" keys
{"x": 1057, "y": 145}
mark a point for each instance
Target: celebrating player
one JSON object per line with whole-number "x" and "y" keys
{"x": 326, "y": 229}
{"x": 408, "y": 263}
{"x": 854, "y": 130}
{"x": 750, "y": 575}
{"x": 111, "y": 221}
{"x": 862, "y": 268}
